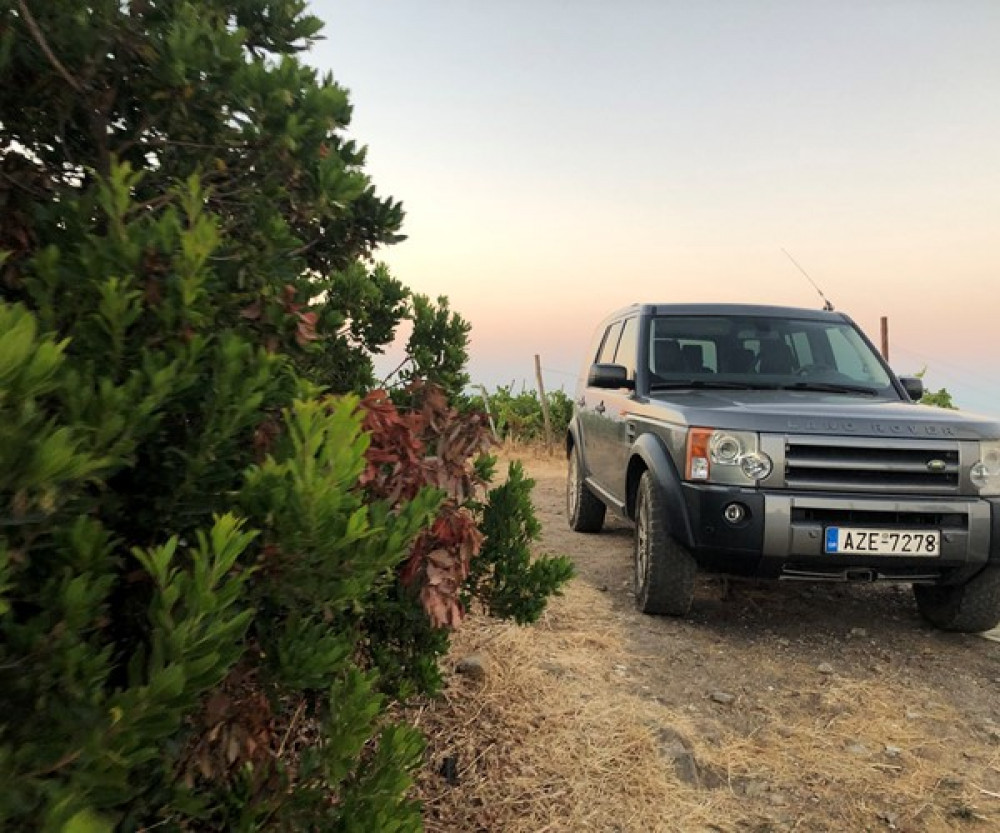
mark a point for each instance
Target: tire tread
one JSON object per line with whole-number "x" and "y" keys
{"x": 668, "y": 587}
{"x": 971, "y": 607}
{"x": 590, "y": 510}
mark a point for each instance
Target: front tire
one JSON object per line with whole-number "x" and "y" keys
{"x": 964, "y": 608}
{"x": 584, "y": 511}
{"x": 664, "y": 570}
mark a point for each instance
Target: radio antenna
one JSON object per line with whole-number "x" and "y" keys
{"x": 826, "y": 301}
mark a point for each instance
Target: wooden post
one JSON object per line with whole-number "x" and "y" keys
{"x": 489, "y": 413}
{"x": 885, "y": 337}
{"x": 545, "y": 404}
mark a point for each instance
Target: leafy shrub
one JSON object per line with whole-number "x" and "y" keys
{"x": 940, "y": 398}
{"x": 147, "y": 562}
{"x": 519, "y": 417}
{"x": 505, "y": 577}
{"x": 474, "y": 550}
{"x": 208, "y": 585}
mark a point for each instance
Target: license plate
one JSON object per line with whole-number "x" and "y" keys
{"x": 853, "y": 540}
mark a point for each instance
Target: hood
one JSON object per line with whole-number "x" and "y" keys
{"x": 807, "y": 412}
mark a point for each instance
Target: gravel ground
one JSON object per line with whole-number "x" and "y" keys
{"x": 828, "y": 700}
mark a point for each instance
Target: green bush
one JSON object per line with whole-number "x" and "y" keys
{"x": 940, "y": 398}
{"x": 193, "y": 562}
{"x": 146, "y": 560}
{"x": 519, "y": 417}
{"x": 505, "y": 577}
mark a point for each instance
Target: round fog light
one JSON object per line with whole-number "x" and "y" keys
{"x": 734, "y": 513}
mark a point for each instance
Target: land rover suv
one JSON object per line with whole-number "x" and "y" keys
{"x": 776, "y": 442}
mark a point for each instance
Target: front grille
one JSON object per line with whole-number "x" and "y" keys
{"x": 864, "y": 465}
{"x": 870, "y": 518}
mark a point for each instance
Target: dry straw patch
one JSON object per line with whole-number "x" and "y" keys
{"x": 551, "y": 740}
{"x": 857, "y": 757}
{"x": 562, "y": 735}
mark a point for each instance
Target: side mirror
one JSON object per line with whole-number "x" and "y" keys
{"x": 612, "y": 376}
{"x": 913, "y": 386}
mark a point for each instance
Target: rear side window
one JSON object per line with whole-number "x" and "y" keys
{"x": 610, "y": 344}
{"x": 625, "y": 355}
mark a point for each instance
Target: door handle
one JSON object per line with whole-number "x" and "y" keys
{"x": 600, "y": 408}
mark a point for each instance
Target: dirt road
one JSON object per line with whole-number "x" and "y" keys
{"x": 780, "y": 649}
{"x": 772, "y": 706}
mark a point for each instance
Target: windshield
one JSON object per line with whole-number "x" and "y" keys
{"x": 761, "y": 352}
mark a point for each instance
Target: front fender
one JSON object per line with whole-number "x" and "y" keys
{"x": 649, "y": 454}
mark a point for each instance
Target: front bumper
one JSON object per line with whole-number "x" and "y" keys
{"x": 782, "y": 534}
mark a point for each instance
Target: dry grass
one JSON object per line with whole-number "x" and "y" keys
{"x": 529, "y": 450}
{"x": 563, "y": 736}
{"x": 540, "y": 745}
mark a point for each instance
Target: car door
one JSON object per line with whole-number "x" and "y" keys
{"x": 592, "y": 406}
{"x": 613, "y": 425}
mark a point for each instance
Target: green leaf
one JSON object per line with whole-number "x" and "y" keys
{"x": 87, "y": 821}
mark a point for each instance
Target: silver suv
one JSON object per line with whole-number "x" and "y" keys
{"x": 776, "y": 442}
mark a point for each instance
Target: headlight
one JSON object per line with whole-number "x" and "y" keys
{"x": 722, "y": 456}
{"x": 985, "y": 473}
{"x": 756, "y": 465}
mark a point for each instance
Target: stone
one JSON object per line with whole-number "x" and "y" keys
{"x": 824, "y": 668}
{"x": 893, "y": 751}
{"x": 857, "y": 748}
{"x": 890, "y": 819}
{"x": 449, "y": 770}
{"x": 674, "y": 748}
{"x": 472, "y": 666}
{"x": 722, "y": 697}
{"x": 858, "y": 633}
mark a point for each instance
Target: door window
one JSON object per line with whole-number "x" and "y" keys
{"x": 607, "y": 353}
{"x": 627, "y": 345}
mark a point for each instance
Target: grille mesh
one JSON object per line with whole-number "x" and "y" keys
{"x": 818, "y": 464}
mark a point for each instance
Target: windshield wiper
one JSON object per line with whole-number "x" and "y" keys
{"x": 709, "y": 384}
{"x": 831, "y": 387}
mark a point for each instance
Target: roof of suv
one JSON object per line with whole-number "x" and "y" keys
{"x": 730, "y": 309}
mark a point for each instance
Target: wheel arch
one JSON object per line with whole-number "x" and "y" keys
{"x": 650, "y": 454}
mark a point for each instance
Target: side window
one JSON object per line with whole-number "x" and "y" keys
{"x": 607, "y": 353}
{"x": 627, "y": 346}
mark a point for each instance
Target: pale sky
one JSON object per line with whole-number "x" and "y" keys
{"x": 558, "y": 160}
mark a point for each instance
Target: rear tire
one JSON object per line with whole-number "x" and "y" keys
{"x": 584, "y": 511}
{"x": 965, "y": 608}
{"x": 664, "y": 570}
